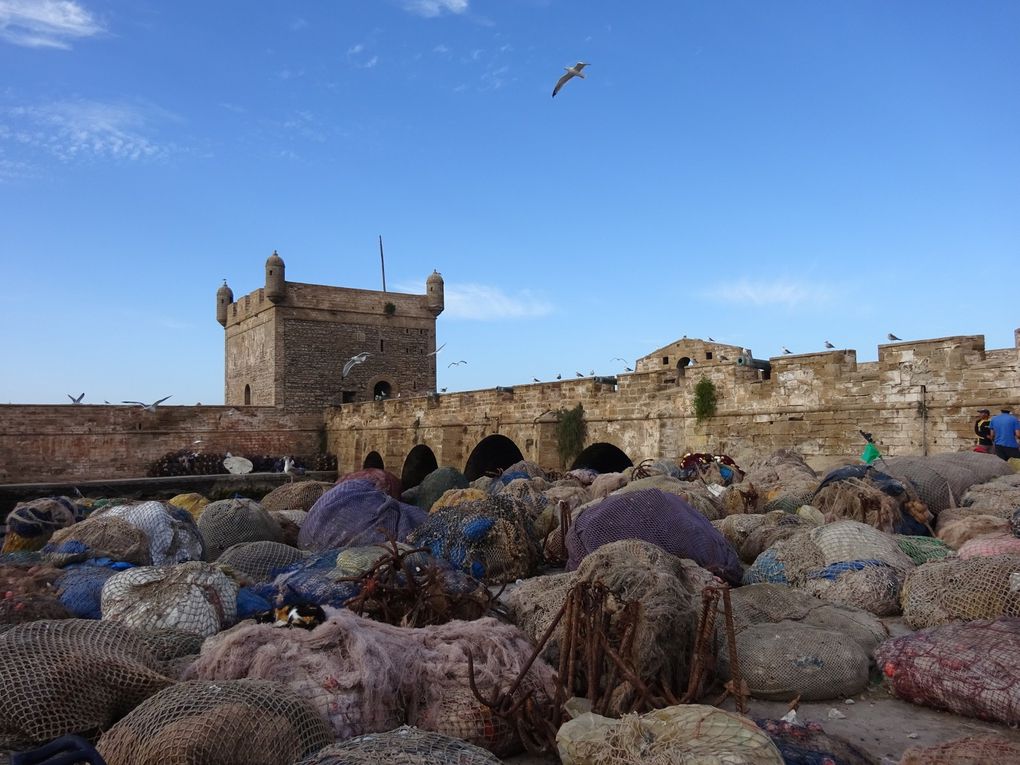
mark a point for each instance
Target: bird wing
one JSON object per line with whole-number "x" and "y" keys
{"x": 139, "y": 403}
{"x": 437, "y": 350}
{"x": 71, "y": 397}
{"x": 561, "y": 81}
{"x": 351, "y": 363}
{"x": 157, "y": 403}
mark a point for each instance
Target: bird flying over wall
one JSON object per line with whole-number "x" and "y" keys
{"x": 572, "y": 71}
{"x": 352, "y": 362}
{"x": 893, "y": 338}
{"x": 76, "y": 400}
{"x": 148, "y": 407}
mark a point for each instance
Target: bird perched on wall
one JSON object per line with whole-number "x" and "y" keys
{"x": 291, "y": 469}
{"x": 785, "y": 349}
{"x": 76, "y": 400}
{"x": 711, "y": 340}
{"x": 437, "y": 350}
{"x": 148, "y": 407}
{"x": 893, "y": 338}
{"x": 442, "y": 390}
{"x": 578, "y": 374}
{"x": 628, "y": 369}
{"x": 572, "y": 71}
{"x": 352, "y": 362}
{"x": 535, "y": 379}
{"x": 829, "y": 345}
{"x": 559, "y": 376}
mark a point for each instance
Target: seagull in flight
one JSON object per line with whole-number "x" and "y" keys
{"x": 535, "y": 379}
{"x": 352, "y": 362}
{"x": 148, "y": 407}
{"x": 572, "y": 71}
{"x": 893, "y": 338}
{"x": 829, "y": 345}
{"x": 455, "y": 363}
{"x": 76, "y": 400}
{"x": 628, "y": 369}
{"x": 578, "y": 374}
{"x": 785, "y": 349}
{"x": 437, "y": 350}
{"x": 711, "y": 340}
{"x": 617, "y": 358}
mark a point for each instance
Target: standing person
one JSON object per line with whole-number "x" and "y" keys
{"x": 1006, "y": 430}
{"x": 984, "y": 432}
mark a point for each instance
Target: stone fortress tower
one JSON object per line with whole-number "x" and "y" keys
{"x": 286, "y": 343}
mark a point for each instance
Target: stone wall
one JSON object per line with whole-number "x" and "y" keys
{"x": 65, "y": 442}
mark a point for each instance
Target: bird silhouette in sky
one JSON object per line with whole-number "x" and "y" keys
{"x": 572, "y": 71}
{"x": 628, "y": 369}
{"x": 578, "y": 374}
{"x": 76, "y": 400}
{"x": 148, "y": 407}
{"x": 893, "y": 338}
{"x": 352, "y": 362}
{"x": 535, "y": 379}
{"x": 711, "y": 340}
{"x": 455, "y": 363}
{"x": 786, "y": 350}
{"x": 829, "y": 345}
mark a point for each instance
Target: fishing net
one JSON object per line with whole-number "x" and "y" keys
{"x": 455, "y": 497}
{"x": 861, "y": 493}
{"x": 71, "y": 676}
{"x": 971, "y": 750}
{"x": 243, "y": 722}
{"x": 970, "y": 668}
{"x": 316, "y": 580}
{"x": 775, "y": 526}
{"x": 956, "y": 530}
{"x": 942, "y": 479}
{"x": 989, "y": 545}
{"x": 356, "y": 513}
{"x": 437, "y": 483}
{"x": 493, "y": 539}
{"x": 868, "y": 584}
{"x": 999, "y": 497}
{"x": 99, "y": 536}
{"x": 954, "y": 589}
{"x": 290, "y": 522}
{"x": 193, "y": 502}
{"x": 80, "y": 588}
{"x": 737, "y": 527}
{"x": 606, "y": 483}
{"x": 529, "y": 492}
{"x": 31, "y": 524}
{"x": 194, "y": 597}
{"x": 696, "y": 494}
{"x": 781, "y": 481}
{"x": 923, "y": 549}
{"x": 298, "y": 495}
{"x": 260, "y": 561}
{"x": 526, "y": 468}
{"x": 689, "y": 733}
{"x": 28, "y": 593}
{"x": 809, "y": 744}
{"x": 657, "y": 517}
{"x": 367, "y": 677}
{"x": 403, "y": 746}
{"x": 382, "y": 480}
{"x": 233, "y": 521}
{"x": 172, "y": 533}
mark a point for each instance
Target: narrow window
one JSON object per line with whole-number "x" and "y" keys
{"x": 247, "y": 395}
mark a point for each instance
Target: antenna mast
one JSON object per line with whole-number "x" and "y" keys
{"x": 382, "y": 261}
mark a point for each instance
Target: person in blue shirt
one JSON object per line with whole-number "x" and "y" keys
{"x": 1006, "y": 430}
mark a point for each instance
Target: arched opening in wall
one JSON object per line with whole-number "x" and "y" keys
{"x": 418, "y": 463}
{"x": 247, "y": 395}
{"x": 492, "y": 454}
{"x": 382, "y": 390}
{"x": 373, "y": 460}
{"x": 603, "y": 458}
{"x": 681, "y": 366}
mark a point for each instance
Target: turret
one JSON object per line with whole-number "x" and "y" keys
{"x": 224, "y": 297}
{"x": 434, "y": 299}
{"x": 276, "y": 289}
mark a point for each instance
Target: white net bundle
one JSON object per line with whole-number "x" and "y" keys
{"x": 953, "y": 589}
{"x": 172, "y": 533}
{"x": 781, "y": 481}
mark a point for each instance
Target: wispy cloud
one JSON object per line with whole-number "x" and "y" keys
{"x": 775, "y": 292}
{"x": 298, "y": 24}
{"x": 440, "y": 49}
{"x": 485, "y": 303}
{"x": 46, "y": 23}
{"x": 357, "y": 54}
{"x": 81, "y": 129}
{"x": 433, "y": 8}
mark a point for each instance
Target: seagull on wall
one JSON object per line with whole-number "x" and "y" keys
{"x": 76, "y": 400}
{"x": 559, "y": 376}
{"x": 578, "y": 374}
{"x": 893, "y": 338}
{"x": 829, "y": 345}
{"x": 572, "y": 71}
{"x": 455, "y": 363}
{"x": 711, "y": 340}
{"x": 785, "y": 349}
{"x": 628, "y": 369}
{"x": 352, "y": 362}
{"x": 535, "y": 379}
{"x": 148, "y": 407}
{"x": 437, "y": 350}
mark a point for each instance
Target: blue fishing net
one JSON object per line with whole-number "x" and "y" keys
{"x": 250, "y": 602}
{"x": 766, "y": 568}
{"x": 809, "y": 744}
{"x": 834, "y": 570}
{"x": 310, "y": 581}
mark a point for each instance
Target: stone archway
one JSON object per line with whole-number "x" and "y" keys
{"x": 418, "y": 463}
{"x": 493, "y": 453}
{"x": 603, "y": 457}
{"x": 373, "y": 460}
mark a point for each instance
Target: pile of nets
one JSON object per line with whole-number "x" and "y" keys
{"x": 233, "y": 521}
{"x": 436, "y": 484}
{"x": 260, "y": 561}
{"x": 382, "y": 480}
{"x": 299, "y": 495}
{"x": 751, "y": 535}
{"x": 696, "y": 494}
{"x": 663, "y": 519}
{"x": 99, "y": 536}
{"x": 685, "y": 733}
{"x": 971, "y": 750}
{"x": 187, "y": 462}
{"x": 970, "y": 668}
{"x": 923, "y": 549}
{"x": 809, "y": 744}
{"x": 862, "y": 493}
{"x": 356, "y": 513}
{"x": 402, "y": 746}
{"x": 492, "y": 539}
{"x": 31, "y": 524}
{"x": 241, "y": 722}
{"x": 781, "y": 481}
{"x": 28, "y": 593}
{"x": 707, "y": 468}
{"x": 80, "y": 586}
{"x": 999, "y": 497}
{"x": 953, "y": 589}
{"x": 367, "y": 677}
{"x": 989, "y": 545}
{"x": 941, "y": 480}
{"x": 956, "y": 528}
{"x": 194, "y": 597}
{"x": 172, "y": 533}
{"x": 71, "y": 676}
{"x": 790, "y": 644}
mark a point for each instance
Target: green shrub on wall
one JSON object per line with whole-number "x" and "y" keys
{"x": 705, "y": 398}
{"x": 571, "y": 431}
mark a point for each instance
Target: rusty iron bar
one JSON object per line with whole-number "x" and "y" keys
{"x": 738, "y": 686}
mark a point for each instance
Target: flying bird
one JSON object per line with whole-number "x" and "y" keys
{"x": 829, "y": 345}
{"x": 578, "y": 374}
{"x": 711, "y": 340}
{"x": 572, "y": 71}
{"x": 617, "y": 358}
{"x": 352, "y": 362}
{"x": 455, "y": 363}
{"x": 148, "y": 407}
{"x": 628, "y": 369}
{"x": 76, "y": 400}
{"x": 785, "y": 349}
{"x": 893, "y": 337}
{"x": 535, "y": 379}
{"x": 437, "y": 350}
{"x": 592, "y": 373}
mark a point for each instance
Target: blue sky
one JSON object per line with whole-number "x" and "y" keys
{"x": 767, "y": 173}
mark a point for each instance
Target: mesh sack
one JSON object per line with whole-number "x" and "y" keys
{"x": 989, "y": 545}
{"x": 871, "y": 585}
{"x": 437, "y": 483}
{"x": 923, "y": 549}
{"x": 233, "y": 521}
{"x": 80, "y": 588}
{"x": 957, "y": 530}
{"x": 970, "y": 668}
{"x": 260, "y": 561}
{"x": 243, "y": 722}
{"x": 525, "y": 467}
{"x": 455, "y": 497}
{"x": 526, "y": 492}
{"x": 657, "y": 517}
{"x": 70, "y": 676}
{"x": 172, "y": 533}
{"x": 860, "y": 493}
{"x": 290, "y": 522}
{"x": 356, "y": 513}
{"x": 493, "y": 540}
{"x": 689, "y": 733}
{"x": 996, "y": 497}
{"x": 971, "y": 750}
{"x": 776, "y": 526}
{"x": 738, "y": 526}
{"x": 696, "y": 494}
{"x": 314, "y": 580}
{"x": 99, "y": 537}
{"x": 606, "y": 483}
{"x": 193, "y": 502}
{"x": 298, "y": 495}
{"x": 194, "y": 597}
{"x": 942, "y": 480}
{"x": 809, "y": 744}
{"x": 954, "y": 589}
{"x": 403, "y": 746}
{"x": 382, "y": 480}
{"x": 31, "y": 524}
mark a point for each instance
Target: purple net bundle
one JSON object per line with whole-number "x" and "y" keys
{"x": 356, "y": 513}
